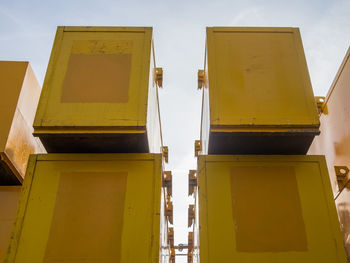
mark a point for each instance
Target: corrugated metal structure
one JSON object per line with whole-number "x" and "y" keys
{"x": 19, "y": 97}
{"x": 267, "y": 209}
{"x": 100, "y": 92}
{"x": 334, "y": 143}
{"x": 9, "y": 196}
{"x": 90, "y": 208}
{"x": 257, "y": 94}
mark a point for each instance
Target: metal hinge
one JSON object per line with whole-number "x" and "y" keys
{"x": 192, "y": 181}
{"x": 197, "y": 147}
{"x": 191, "y": 215}
{"x": 165, "y": 152}
{"x": 167, "y": 182}
{"x": 169, "y": 209}
{"x": 172, "y": 255}
{"x": 171, "y": 237}
{"x": 190, "y": 242}
{"x": 320, "y": 102}
{"x": 190, "y": 256}
{"x": 158, "y": 77}
{"x": 342, "y": 175}
{"x": 201, "y": 76}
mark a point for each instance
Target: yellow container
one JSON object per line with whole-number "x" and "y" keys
{"x": 8, "y": 204}
{"x": 89, "y": 208}
{"x": 19, "y": 98}
{"x": 334, "y": 142}
{"x": 100, "y": 92}
{"x": 267, "y": 209}
{"x": 257, "y": 95}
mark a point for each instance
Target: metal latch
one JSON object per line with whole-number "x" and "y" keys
{"x": 171, "y": 237}
{"x": 172, "y": 255}
{"x": 197, "y": 147}
{"x": 190, "y": 241}
{"x": 165, "y": 152}
{"x": 167, "y": 182}
{"x": 191, "y": 215}
{"x": 158, "y": 77}
{"x": 201, "y": 75}
{"x": 320, "y": 102}
{"x": 169, "y": 210}
{"x": 192, "y": 181}
{"x": 342, "y": 174}
{"x": 190, "y": 257}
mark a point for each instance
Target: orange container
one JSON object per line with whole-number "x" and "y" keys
{"x": 19, "y": 98}
{"x": 334, "y": 142}
{"x": 9, "y": 196}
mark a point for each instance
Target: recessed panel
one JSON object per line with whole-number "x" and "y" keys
{"x": 98, "y": 71}
{"x": 266, "y": 210}
{"x": 98, "y": 198}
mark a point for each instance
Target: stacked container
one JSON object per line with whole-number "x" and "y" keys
{"x": 20, "y": 93}
{"x": 254, "y": 205}
{"x": 97, "y": 196}
{"x": 334, "y": 142}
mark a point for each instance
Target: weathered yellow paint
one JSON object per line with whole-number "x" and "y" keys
{"x": 8, "y": 204}
{"x": 99, "y": 79}
{"x": 90, "y": 208}
{"x": 20, "y": 93}
{"x": 267, "y": 209}
{"x": 256, "y": 81}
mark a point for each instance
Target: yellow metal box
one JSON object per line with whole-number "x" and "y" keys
{"x": 19, "y": 96}
{"x": 100, "y": 92}
{"x": 267, "y": 209}
{"x": 89, "y": 208}
{"x": 257, "y": 95}
{"x": 334, "y": 142}
{"x": 8, "y": 204}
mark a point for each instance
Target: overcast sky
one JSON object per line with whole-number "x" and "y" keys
{"x": 27, "y": 30}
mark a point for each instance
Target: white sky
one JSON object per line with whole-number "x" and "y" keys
{"x": 27, "y": 30}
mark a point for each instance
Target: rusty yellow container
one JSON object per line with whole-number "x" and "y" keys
{"x": 100, "y": 92}
{"x": 89, "y": 208}
{"x": 334, "y": 142}
{"x": 267, "y": 209}
{"x": 257, "y": 94}
{"x": 9, "y": 196}
{"x": 19, "y": 98}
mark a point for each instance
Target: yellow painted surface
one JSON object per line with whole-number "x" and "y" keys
{"x": 8, "y": 204}
{"x": 258, "y": 76}
{"x": 267, "y": 209}
{"x": 19, "y": 98}
{"x": 89, "y": 208}
{"x": 98, "y": 79}
{"x": 256, "y": 80}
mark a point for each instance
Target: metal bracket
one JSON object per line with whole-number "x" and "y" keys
{"x": 171, "y": 237}
{"x": 342, "y": 174}
{"x": 172, "y": 255}
{"x": 165, "y": 152}
{"x": 191, "y": 215}
{"x": 201, "y": 75}
{"x": 169, "y": 210}
{"x": 158, "y": 77}
{"x": 190, "y": 247}
{"x": 167, "y": 182}
{"x": 197, "y": 147}
{"x": 320, "y": 102}
{"x": 192, "y": 181}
